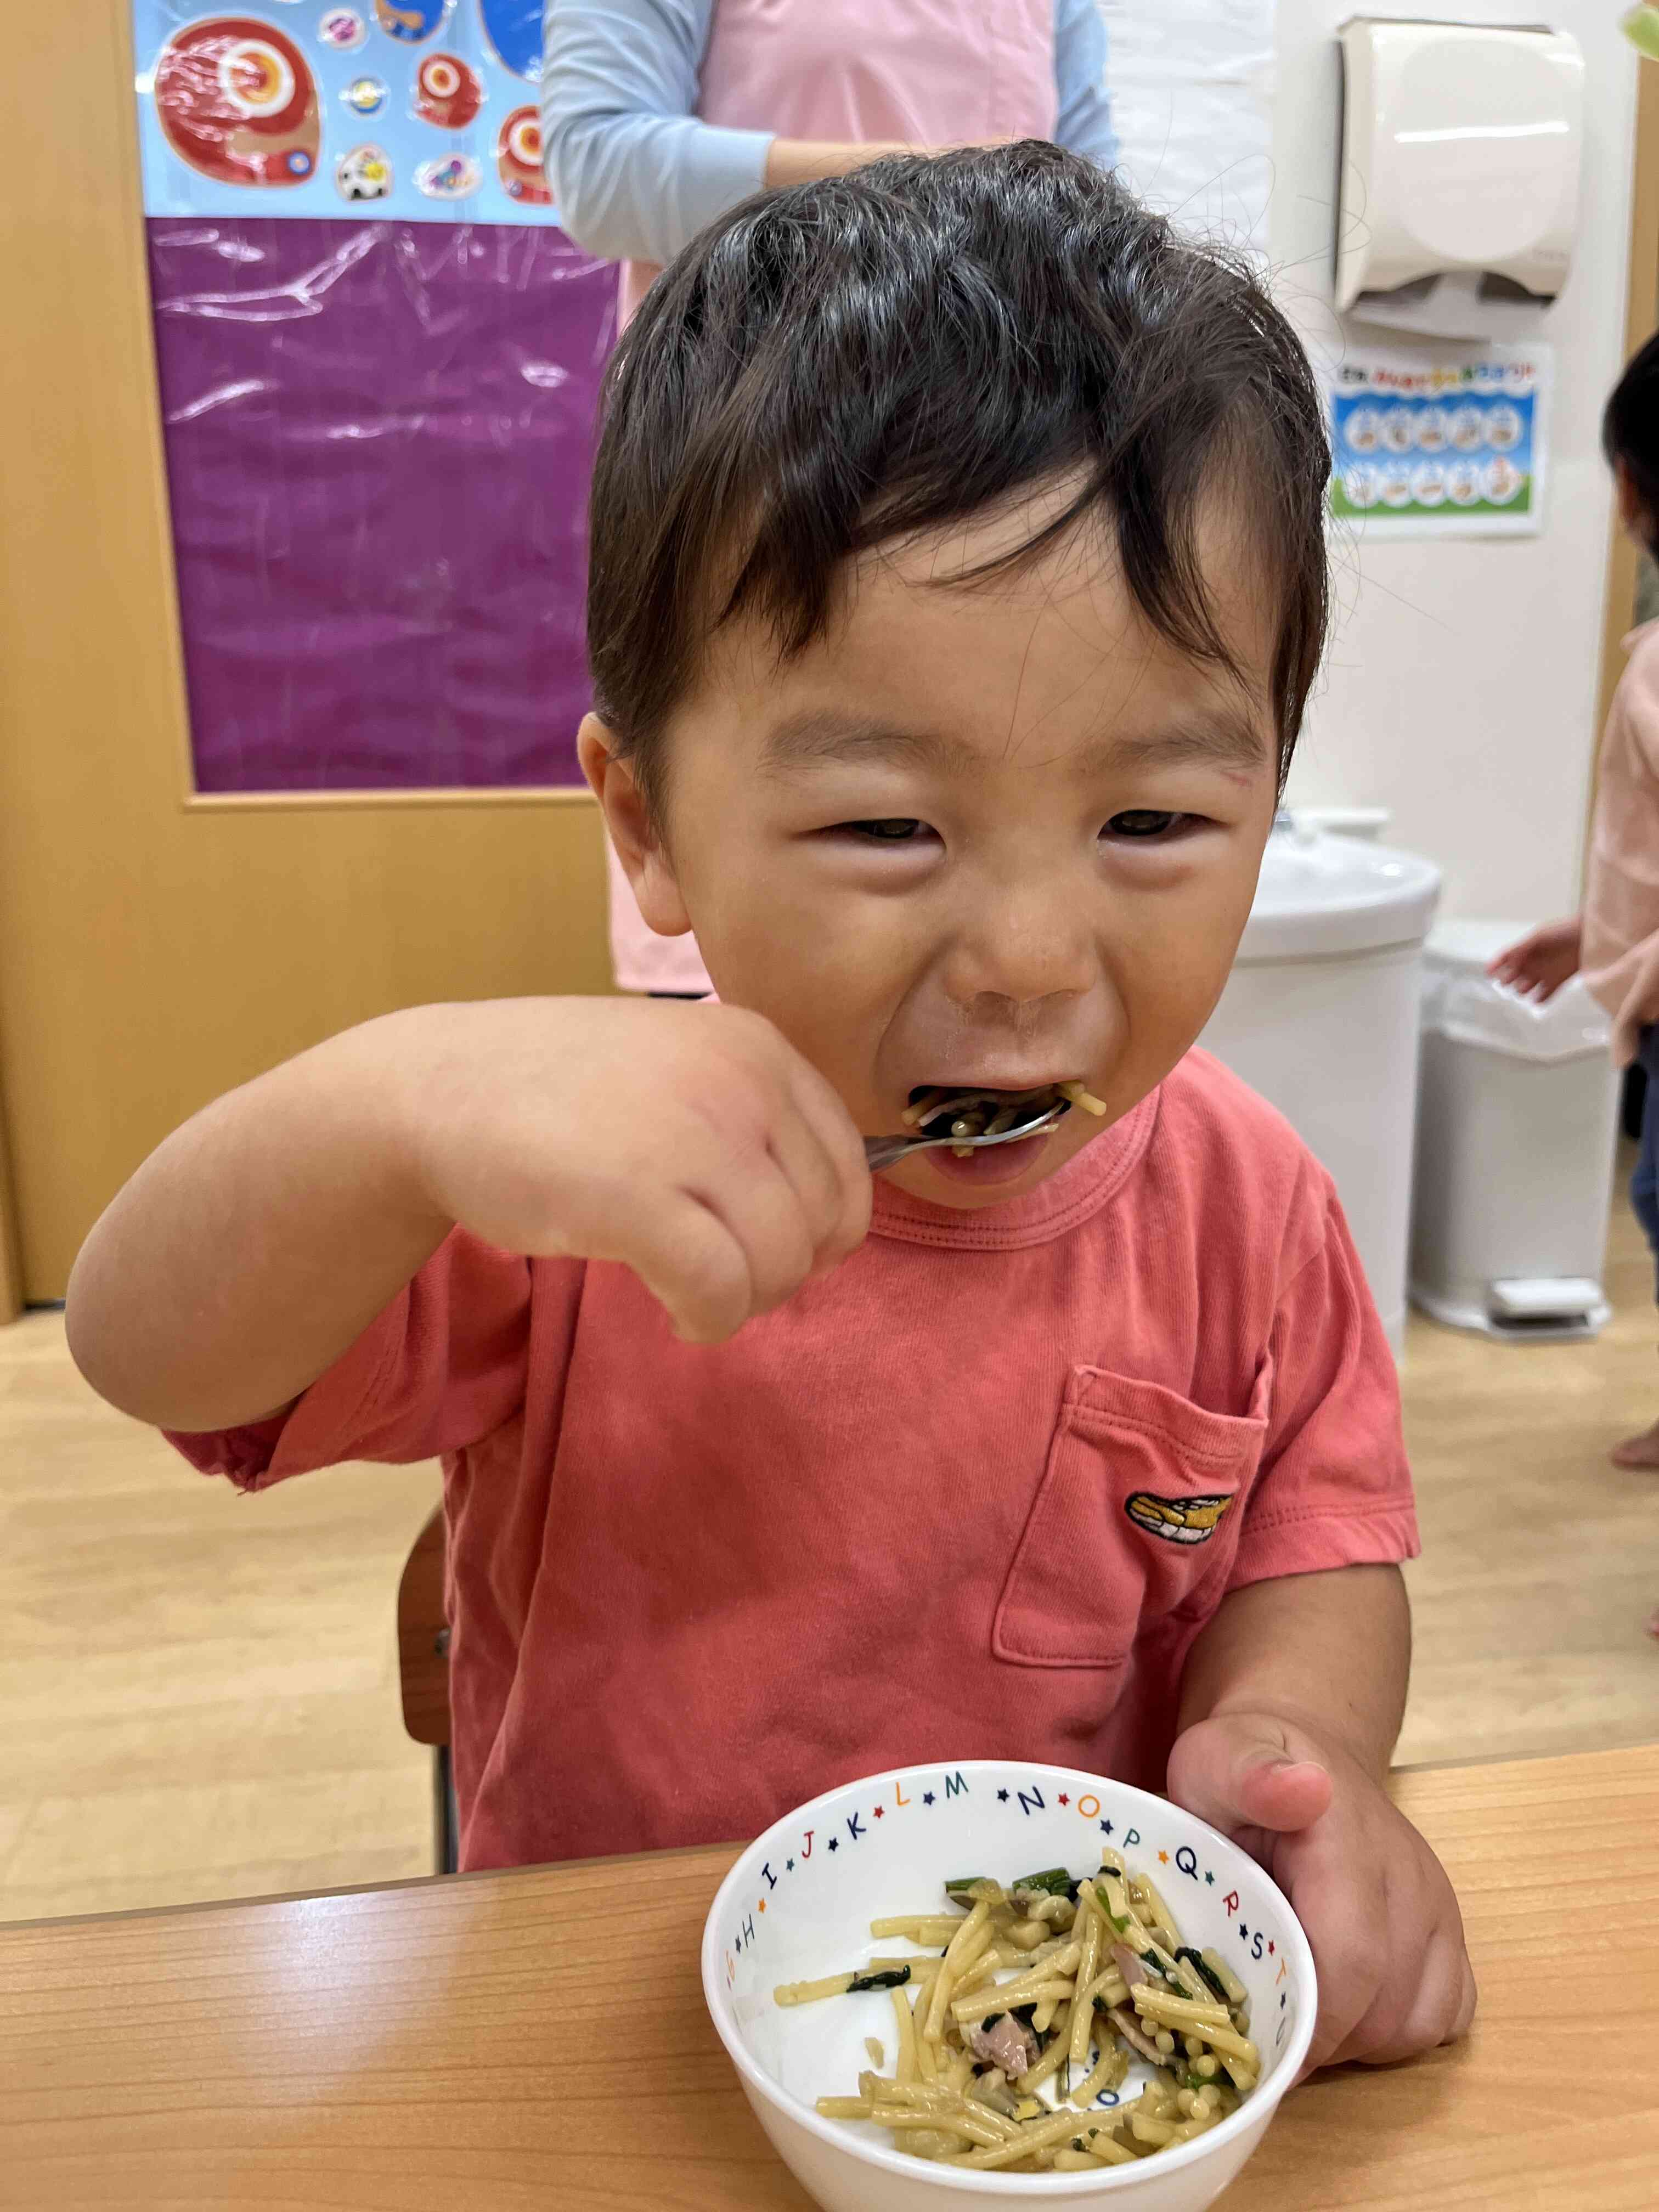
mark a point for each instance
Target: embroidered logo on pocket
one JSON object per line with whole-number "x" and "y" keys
{"x": 1177, "y": 1519}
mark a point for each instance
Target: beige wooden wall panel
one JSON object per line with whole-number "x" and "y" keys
{"x": 152, "y": 953}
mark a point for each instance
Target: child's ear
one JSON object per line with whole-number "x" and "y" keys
{"x": 644, "y": 856}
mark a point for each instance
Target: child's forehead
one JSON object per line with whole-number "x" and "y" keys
{"x": 1000, "y": 531}
{"x": 1040, "y": 552}
{"x": 924, "y": 663}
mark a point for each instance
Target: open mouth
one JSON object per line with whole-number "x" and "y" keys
{"x": 969, "y": 1114}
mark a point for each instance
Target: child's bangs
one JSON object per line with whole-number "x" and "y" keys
{"x": 870, "y": 360}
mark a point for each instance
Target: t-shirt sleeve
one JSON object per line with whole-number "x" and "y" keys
{"x": 1335, "y": 1488}
{"x": 444, "y": 1365}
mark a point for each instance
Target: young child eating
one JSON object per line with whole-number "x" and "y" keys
{"x": 958, "y": 582}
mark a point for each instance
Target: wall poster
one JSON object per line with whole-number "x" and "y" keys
{"x": 379, "y": 358}
{"x": 1449, "y": 443}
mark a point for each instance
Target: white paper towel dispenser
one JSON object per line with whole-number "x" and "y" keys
{"x": 1458, "y": 194}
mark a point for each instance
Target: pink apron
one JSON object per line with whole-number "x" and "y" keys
{"x": 924, "y": 72}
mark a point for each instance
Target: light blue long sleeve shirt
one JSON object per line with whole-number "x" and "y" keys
{"x": 633, "y": 172}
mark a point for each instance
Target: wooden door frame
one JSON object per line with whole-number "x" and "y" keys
{"x": 1641, "y": 315}
{"x": 11, "y": 1264}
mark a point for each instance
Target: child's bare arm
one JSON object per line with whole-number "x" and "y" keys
{"x": 693, "y": 1144}
{"x": 1292, "y": 1701}
{"x": 257, "y": 1241}
{"x": 1284, "y": 1647}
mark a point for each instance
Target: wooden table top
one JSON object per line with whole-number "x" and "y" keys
{"x": 401, "y": 2050}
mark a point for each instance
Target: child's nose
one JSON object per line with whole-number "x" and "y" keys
{"x": 1022, "y": 946}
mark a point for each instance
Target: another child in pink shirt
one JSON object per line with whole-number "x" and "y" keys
{"x": 1614, "y": 940}
{"x": 958, "y": 582}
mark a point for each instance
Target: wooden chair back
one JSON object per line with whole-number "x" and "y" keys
{"x": 423, "y": 1638}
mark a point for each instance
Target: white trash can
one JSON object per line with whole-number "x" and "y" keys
{"x": 1321, "y": 1015}
{"x": 1517, "y": 1123}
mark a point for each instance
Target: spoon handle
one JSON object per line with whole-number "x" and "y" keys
{"x": 881, "y": 1151}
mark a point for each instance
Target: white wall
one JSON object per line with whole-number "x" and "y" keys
{"x": 1462, "y": 683}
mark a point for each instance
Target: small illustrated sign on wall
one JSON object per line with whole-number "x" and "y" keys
{"x": 1444, "y": 442}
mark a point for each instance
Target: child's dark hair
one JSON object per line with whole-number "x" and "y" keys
{"x": 863, "y": 358}
{"x": 1630, "y": 433}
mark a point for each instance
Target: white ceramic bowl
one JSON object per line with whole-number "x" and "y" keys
{"x": 799, "y": 1903}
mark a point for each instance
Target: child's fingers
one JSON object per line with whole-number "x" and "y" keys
{"x": 693, "y": 1265}
{"x": 791, "y": 1082}
{"x": 1236, "y": 1772}
{"x": 1436, "y": 2007}
{"x": 1445, "y": 2003}
{"x": 1383, "y": 2030}
{"x": 762, "y": 1209}
{"x": 1283, "y": 1795}
{"x": 821, "y": 1108}
{"x": 1348, "y": 1926}
{"x": 1468, "y": 1999}
{"x": 806, "y": 1163}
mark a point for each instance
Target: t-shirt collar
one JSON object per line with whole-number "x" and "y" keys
{"x": 1082, "y": 1187}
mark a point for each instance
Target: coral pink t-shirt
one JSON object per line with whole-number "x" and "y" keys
{"x": 972, "y": 1496}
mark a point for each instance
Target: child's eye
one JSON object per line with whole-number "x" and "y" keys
{"x": 1138, "y": 825}
{"x": 891, "y": 830}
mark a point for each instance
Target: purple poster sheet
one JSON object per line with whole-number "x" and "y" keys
{"x": 377, "y": 443}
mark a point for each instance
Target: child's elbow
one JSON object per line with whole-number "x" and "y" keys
{"x": 115, "y": 1357}
{"x": 91, "y": 1335}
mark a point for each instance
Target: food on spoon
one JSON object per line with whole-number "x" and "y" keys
{"x": 987, "y": 1113}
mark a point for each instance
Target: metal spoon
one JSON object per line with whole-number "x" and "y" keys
{"x": 883, "y": 1152}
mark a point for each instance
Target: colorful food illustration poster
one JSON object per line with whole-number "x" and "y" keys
{"x": 424, "y": 111}
{"x": 1448, "y": 442}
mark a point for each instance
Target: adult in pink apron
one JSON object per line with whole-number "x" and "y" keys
{"x": 657, "y": 115}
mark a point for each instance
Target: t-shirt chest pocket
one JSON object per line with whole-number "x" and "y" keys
{"x": 1137, "y": 1516}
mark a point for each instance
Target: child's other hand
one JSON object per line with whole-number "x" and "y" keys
{"x": 691, "y": 1143}
{"x": 1394, "y": 1978}
{"x": 1540, "y": 963}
